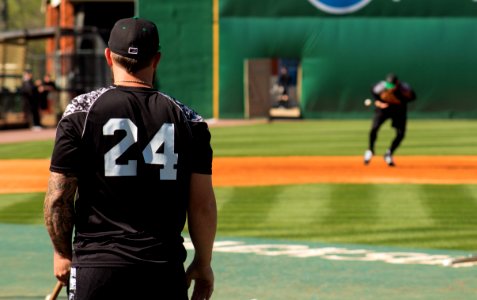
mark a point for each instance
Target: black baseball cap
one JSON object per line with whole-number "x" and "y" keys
{"x": 392, "y": 78}
{"x": 134, "y": 38}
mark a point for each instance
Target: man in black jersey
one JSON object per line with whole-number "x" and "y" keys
{"x": 129, "y": 166}
{"x": 391, "y": 97}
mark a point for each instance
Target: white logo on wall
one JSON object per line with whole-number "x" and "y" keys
{"x": 339, "y": 6}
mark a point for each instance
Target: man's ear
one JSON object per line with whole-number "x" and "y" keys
{"x": 107, "y": 54}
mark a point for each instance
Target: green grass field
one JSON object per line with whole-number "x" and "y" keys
{"x": 439, "y": 219}
{"x": 324, "y": 137}
{"x": 337, "y": 137}
{"x": 422, "y": 216}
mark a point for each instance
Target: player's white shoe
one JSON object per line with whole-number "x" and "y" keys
{"x": 388, "y": 158}
{"x": 368, "y": 154}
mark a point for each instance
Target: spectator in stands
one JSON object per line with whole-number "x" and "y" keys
{"x": 46, "y": 86}
{"x": 31, "y": 97}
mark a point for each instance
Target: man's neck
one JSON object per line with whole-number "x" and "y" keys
{"x": 140, "y": 79}
{"x": 133, "y": 83}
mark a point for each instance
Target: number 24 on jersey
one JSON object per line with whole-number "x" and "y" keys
{"x": 164, "y": 136}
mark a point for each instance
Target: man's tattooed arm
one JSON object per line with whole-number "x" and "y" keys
{"x": 58, "y": 211}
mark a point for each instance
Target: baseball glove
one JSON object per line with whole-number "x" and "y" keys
{"x": 388, "y": 96}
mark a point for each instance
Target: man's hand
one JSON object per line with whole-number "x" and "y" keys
{"x": 381, "y": 104}
{"x": 203, "y": 277}
{"x": 61, "y": 268}
{"x": 202, "y": 224}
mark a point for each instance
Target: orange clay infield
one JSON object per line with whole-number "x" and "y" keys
{"x": 22, "y": 176}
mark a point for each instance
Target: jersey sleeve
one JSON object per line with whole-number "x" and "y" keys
{"x": 66, "y": 152}
{"x": 407, "y": 92}
{"x": 202, "y": 153}
{"x": 377, "y": 89}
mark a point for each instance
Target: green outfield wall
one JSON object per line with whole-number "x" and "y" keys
{"x": 185, "y": 33}
{"x": 429, "y": 43}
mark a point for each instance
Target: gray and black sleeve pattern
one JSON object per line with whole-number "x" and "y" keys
{"x": 66, "y": 152}
{"x": 201, "y": 153}
{"x": 82, "y": 103}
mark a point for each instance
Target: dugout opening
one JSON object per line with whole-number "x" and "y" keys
{"x": 271, "y": 88}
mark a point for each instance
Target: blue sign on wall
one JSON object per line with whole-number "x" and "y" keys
{"x": 339, "y": 6}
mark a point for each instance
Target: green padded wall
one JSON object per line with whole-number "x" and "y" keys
{"x": 429, "y": 43}
{"x": 337, "y": 79}
{"x": 185, "y": 32}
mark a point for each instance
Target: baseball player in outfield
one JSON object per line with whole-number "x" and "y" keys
{"x": 390, "y": 98}
{"x": 129, "y": 166}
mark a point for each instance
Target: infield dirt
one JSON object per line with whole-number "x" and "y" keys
{"x": 23, "y": 176}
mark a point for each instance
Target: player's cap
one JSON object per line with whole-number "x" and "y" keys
{"x": 134, "y": 38}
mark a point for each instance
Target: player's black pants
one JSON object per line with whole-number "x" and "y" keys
{"x": 134, "y": 282}
{"x": 398, "y": 117}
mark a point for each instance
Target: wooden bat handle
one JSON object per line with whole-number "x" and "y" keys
{"x": 56, "y": 291}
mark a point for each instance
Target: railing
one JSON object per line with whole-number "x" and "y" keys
{"x": 13, "y": 111}
{"x": 74, "y": 74}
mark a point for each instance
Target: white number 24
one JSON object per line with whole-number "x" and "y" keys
{"x": 165, "y": 136}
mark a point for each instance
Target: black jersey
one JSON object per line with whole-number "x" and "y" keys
{"x": 403, "y": 92}
{"x": 133, "y": 151}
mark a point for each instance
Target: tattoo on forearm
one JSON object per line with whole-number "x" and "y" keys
{"x": 59, "y": 211}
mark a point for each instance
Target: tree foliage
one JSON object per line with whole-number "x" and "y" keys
{"x": 24, "y": 14}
